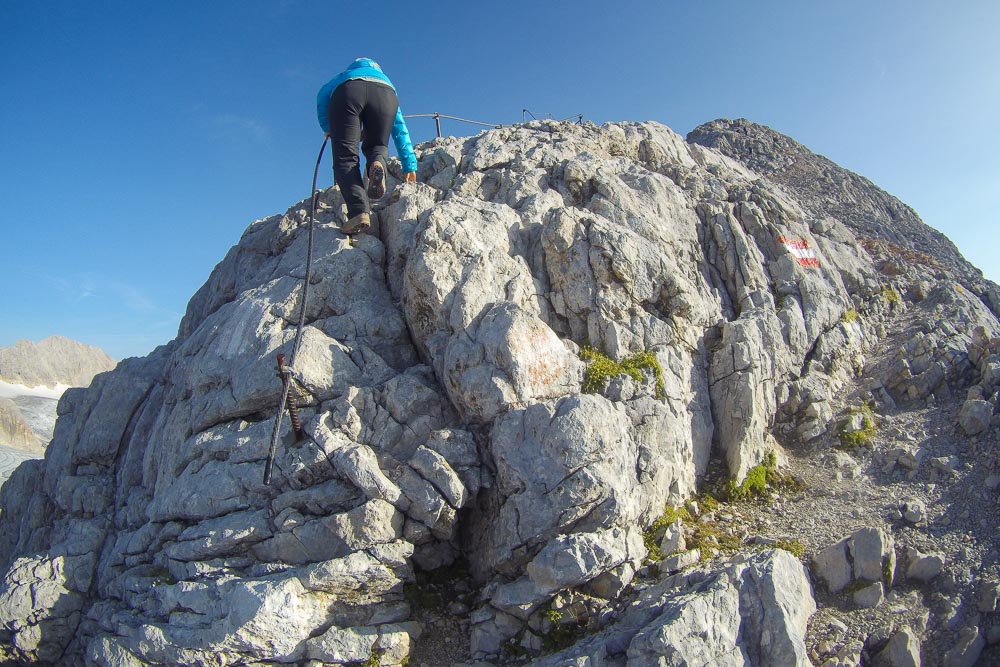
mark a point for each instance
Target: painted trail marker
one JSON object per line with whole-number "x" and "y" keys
{"x": 801, "y": 251}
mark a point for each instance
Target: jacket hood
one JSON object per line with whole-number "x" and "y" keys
{"x": 364, "y": 62}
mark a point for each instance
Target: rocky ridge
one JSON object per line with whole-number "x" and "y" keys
{"x": 892, "y": 231}
{"x": 441, "y": 379}
{"x": 29, "y": 372}
{"x": 15, "y": 430}
{"x": 52, "y": 361}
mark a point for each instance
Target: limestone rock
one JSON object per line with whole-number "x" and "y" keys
{"x": 700, "y": 619}
{"x": 923, "y": 567}
{"x": 988, "y": 597}
{"x": 15, "y": 430}
{"x": 866, "y": 209}
{"x": 967, "y": 648}
{"x": 975, "y": 416}
{"x": 673, "y": 539}
{"x": 903, "y": 650}
{"x": 570, "y": 561}
{"x": 439, "y": 379}
{"x": 866, "y": 555}
{"x": 680, "y": 561}
{"x": 869, "y": 596}
{"x": 51, "y": 361}
{"x": 832, "y": 566}
{"x": 914, "y": 511}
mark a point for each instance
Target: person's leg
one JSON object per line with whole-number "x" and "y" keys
{"x": 345, "y": 117}
{"x": 377, "y": 117}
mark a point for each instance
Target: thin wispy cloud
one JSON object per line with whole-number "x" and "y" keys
{"x": 75, "y": 289}
{"x": 241, "y": 128}
{"x": 132, "y": 297}
{"x": 298, "y": 73}
{"x": 71, "y": 290}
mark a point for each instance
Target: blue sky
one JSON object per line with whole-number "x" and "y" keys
{"x": 138, "y": 139}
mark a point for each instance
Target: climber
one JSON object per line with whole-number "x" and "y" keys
{"x": 360, "y": 105}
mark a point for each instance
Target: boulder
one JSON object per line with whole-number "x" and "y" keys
{"x": 867, "y": 555}
{"x": 902, "y": 650}
{"x": 923, "y": 567}
{"x": 975, "y": 416}
{"x": 966, "y": 650}
{"x": 751, "y": 612}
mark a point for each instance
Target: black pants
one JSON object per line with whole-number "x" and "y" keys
{"x": 357, "y": 104}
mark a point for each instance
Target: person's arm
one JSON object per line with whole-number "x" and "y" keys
{"x": 323, "y": 105}
{"x": 401, "y": 137}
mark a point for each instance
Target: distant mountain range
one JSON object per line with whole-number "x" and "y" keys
{"x": 53, "y": 361}
{"x": 32, "y": 378}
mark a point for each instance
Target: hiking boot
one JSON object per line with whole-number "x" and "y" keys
{"x": 357, "y": 224}
{"x": 376, "y": 180}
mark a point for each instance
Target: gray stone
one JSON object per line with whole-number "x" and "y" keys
{"x": 988, "y": 596}
{"x": 911, "y": 458}
{"x": 706, "y": 626}
{"x": 219, "y": 537}
{"x": 673, "y": 538}
{"x": 343, "y": 645}
{"x": 923, "y": 567}
{"x": 611, "y": 584}
{"x": 703, "y": 624}
{"x": 427, "y": 505}
{"x": 849, "y": 654}
{"x": 974, "y": 417}
{"x": 679, "y": 561}
{"x": 435, "y": 469}
{"x": 946, "y": 464}
{"x": 357, "y": 463}
{"x": 572, "y": 560}
{"x": 865, "y": 555}
{"x": 832, "y": 566}
{"x": 871, "y": 549}
{"x": 903, "y": 650}
{"x": 869, "y": 596}
{"x": 914, "y": 511}
{"x": 967, "y": 648}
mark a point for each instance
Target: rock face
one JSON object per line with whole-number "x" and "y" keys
{"x": 27, "y": 417}
{"x": 440, "y": 386}
{"x": 15, "y": 430}
{"x": 747, "y": 613}
{"x": 888, "y": 227}
{"x": 51, "y": 361}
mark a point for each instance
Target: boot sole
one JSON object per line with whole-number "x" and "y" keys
{"x": 376, "y": 181}
{"x": 355, "y": 228}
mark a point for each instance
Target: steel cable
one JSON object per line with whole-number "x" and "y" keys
{"x": 285, "y": 371}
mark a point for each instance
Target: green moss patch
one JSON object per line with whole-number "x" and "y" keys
{"x": 600, "y": 368}
{"x": 851, "y": 439}
{"x": 795, "y": 547}
{"x": 761, "y": 481}
{"x": 652, "y": 536}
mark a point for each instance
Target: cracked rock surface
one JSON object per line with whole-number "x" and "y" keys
{"x": 439, "y": 381}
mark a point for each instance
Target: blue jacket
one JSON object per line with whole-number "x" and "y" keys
{"x": 366, "y": 68}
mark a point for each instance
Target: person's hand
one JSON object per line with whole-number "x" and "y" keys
{"x": 410, "y": 177}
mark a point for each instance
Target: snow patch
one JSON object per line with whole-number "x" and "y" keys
{"x": 13, "y": 390}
